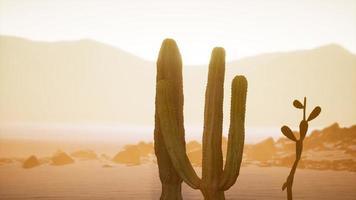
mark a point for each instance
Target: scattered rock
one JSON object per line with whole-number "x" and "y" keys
{"x": 85, "y": 155}
{"x": 107, "y": 166}
{"x": 31, "y": 162}
{"x": 130, "y": 156}
{"x": 145, "y": 149}
{"x": 61, "y": 158}
{"x": 195, "y": 157}
{"x": 4, "y": 161}
{"x": 262, "y": 151}
{"x": 193, "y": 146}
{"x": 134, "y": 154}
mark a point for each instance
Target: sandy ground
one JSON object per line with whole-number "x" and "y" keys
{"x": 90, "y": 180}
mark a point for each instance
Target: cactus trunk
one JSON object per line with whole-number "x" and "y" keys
{"x": 171, "y": 191}
{"x": 214, "y": 195}
{"x": 169, "y": 67}
{"x": 170, "y": 129}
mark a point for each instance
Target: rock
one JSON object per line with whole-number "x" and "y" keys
{"x": 107, "y": 166}
{"x": 286, "y": 161}
{"x": 61, "y": 158}
{"x": 85, "y": 155}
{"x": 134, "y": 154}
{"x": 145, "y": 149}
{"x": 130, "y": 156}
{"x": 31, "y": 162}
{"x": 262, "y": 151}
{"x": 4, "y": 161}
{"x": 193, "y": 146}
{"x": 195, "y": 157}
{"x": 333, "y": 134}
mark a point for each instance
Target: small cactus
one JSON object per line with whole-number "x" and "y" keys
{"x": 303, "y": 129}
{"x": 169, "y": 127}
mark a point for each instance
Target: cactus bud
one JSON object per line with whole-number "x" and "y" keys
{"x": 316, "y": 111}
{"x": 297, "y": 104}
{"x": 288, "y": 133}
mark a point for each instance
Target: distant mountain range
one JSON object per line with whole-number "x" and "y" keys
{"x": 89, "y": 82}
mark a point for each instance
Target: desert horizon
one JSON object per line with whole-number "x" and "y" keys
{"x": 88, "y": 137}
{"x": 139, "y": 152}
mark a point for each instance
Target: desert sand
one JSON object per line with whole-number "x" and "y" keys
{"x": 92, "y": 180}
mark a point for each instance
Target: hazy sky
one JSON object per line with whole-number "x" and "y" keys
{"x": 242, "y": 27}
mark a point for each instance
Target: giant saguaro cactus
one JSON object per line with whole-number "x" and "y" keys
{"x": 169, "y": 68}
{"x": 169, "y": 101}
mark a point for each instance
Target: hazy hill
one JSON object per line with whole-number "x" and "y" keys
{"x": 87, "y": 81}
{"x": 71, "y": 82}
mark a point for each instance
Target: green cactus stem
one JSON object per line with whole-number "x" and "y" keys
{"x": 303, "y": 129}
{"x": 215, "y": 179}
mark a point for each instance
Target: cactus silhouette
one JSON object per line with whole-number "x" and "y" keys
{"x": 303, "y": 129}
{"x": 169, "y": 131}
{"x": 169, "y": 68}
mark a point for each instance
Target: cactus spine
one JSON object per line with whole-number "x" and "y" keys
{"x": 169, "y": 121}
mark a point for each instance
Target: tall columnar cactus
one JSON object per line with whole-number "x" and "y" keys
{"x": 169, "y": 68}
{"x": 303, "y": 129}
{"x": 169, "y": 101}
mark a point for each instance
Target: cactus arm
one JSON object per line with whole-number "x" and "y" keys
{"x": 213, "y": 118}
{"x": 236, "y": 133}
{"x": 169, "y": 126}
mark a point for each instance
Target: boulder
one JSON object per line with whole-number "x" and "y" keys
{"x": 193, "y": 146}
{"x": 129, "y": 156}
{"x": 4, "y": 161}
{"x": 134, "y": 154}
{"x": 85, "y": 155}
{"x": 31, "y": 162}
{"x": 262, "y": 151}
{"x": 61, "y": 158}
{"x": 195, "y": 157}
{"x": 145, "y": 148}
